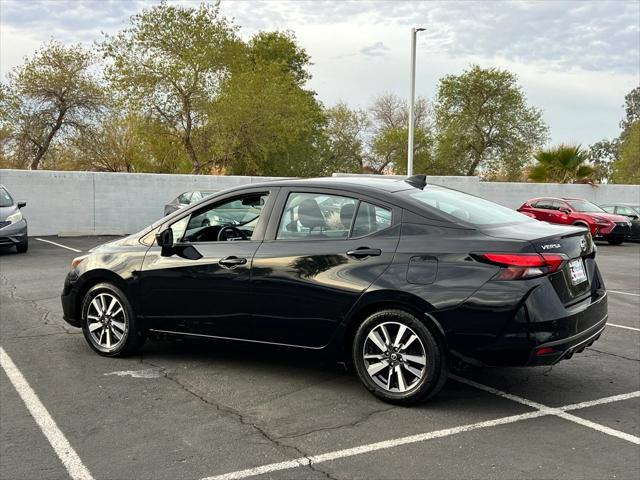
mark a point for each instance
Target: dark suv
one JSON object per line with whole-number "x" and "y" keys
{"x": 397, "y": 277}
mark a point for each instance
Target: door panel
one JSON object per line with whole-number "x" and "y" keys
{"x": 301, "y": 290}
{"x": 201, "y": 296}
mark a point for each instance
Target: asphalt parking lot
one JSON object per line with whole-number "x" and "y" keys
{"x": 194, "y": 410}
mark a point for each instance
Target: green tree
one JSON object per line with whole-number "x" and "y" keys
{"x": 601, "y": 155}
{"x": 264, "y": 123}
{"x": 484, "y": 124}
{"x": 561, "y": 164}
{"x": 345, "y": 133}
{"x": 631, "y": 110}
{"x": 388, "y": 147}
{"x": 170, "y": 64}
{"x": 627, "y": 168}
{"x": 53, "y": 94}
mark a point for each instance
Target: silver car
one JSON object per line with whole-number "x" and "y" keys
{"x": 184, "y": 199}
{"x": 13, "y": 225}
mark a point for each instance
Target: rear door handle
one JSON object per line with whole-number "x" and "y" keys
{"x": 363, "y": 252}
{"x": 232, "y": 262}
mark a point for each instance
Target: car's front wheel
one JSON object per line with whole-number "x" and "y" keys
{"x": 109, "y": 323}
{"x": 398, "y": 359}
{"x": 615, "y": 241}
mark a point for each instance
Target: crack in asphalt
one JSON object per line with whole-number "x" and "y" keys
{"x": 241, "y": 418}
{"x": 338, "y": 427}
{"x": 46, "y": 316}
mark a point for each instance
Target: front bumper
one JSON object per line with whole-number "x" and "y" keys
{"x": 14, "y": 234}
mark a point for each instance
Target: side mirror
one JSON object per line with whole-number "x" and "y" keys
{"x": 165, "y": 241}
{"x": 565, "y": 210}
{"x": 22, "y": 204}
{"x": 633, "y": 217}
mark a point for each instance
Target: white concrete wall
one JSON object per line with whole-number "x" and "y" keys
{"x": 515, "y": 194}
{"x": 91, "y": 203}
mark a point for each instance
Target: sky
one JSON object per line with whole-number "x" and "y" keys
{"x": 575, "y": 60}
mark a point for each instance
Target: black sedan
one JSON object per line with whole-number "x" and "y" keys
{"x": 398, "y": 278}
{"x": 631, "y": 211}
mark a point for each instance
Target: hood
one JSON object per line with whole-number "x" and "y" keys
{"x": 6, "y": 211}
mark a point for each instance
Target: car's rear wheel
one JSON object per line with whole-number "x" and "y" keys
{"x": 22, "y": 247}
{"x": 109, "y": 323}
{"x": 398, "y": 359}
{"x": 615, "y": 241}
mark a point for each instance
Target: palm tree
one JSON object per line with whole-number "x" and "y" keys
{"x": 562, "y": 164}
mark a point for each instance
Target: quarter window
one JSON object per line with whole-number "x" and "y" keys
{"x": 370, "y": 219}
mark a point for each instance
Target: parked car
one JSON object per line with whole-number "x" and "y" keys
{"x": 397, "y": 277}
{"x": 184, "y": 199}
{"x": 13, "y": 225}
{"x": 631, "y": 211}
{"x": 575, "y": 211}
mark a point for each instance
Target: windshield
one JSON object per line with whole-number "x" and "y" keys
{"x": 474, "y": 210}
{"x": 5, "y": 198}
{"x": 584, "y": 206}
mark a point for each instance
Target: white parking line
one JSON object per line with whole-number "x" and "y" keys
{"x": 558, "y": 412}
{"x": 47, "y": 424}
{"x": 624, "y": 293}
{"x": 624, "y": 326}
{"x": 541, "y": 411}
{"x": 59, "y": 245}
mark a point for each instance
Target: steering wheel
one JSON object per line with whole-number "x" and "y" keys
{"x": 222, "y": 234}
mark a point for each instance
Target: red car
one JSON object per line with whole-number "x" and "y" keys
{"x": 575, "y": 211}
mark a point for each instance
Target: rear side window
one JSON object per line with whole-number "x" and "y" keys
{"x": 310, "y": 216}
{"x": 473, "y": 210}
{"x": 545, "y": 204}
{"x": 314, "y": 216}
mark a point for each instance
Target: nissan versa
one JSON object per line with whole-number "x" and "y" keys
{"x": 397, "y": 277}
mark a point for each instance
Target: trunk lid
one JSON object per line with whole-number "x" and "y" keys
{"x": 573, "y": 281}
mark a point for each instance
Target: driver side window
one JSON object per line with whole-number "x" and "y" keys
{"x": 229, "y": 220}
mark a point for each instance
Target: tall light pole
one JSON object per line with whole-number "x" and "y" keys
{"x": 412, "y": 94}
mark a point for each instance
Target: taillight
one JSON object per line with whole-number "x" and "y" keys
{"x": 516, "y": 266}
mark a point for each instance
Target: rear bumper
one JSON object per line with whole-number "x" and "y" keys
{"x": 550, "y": 353}
{"x": 13, "y": 234}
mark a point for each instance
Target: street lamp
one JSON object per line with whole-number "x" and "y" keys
{"x": 412, "y": 94}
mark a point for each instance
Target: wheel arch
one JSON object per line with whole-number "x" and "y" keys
{"x": 372, "y": 302}
{"x": 94, "y": 277}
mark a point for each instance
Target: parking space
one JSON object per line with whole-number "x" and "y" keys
{"x": 187, "y": 409}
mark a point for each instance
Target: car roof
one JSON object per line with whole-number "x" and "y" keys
{"x": 364, "y": 184}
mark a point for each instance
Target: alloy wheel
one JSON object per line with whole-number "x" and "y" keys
{"x": 394, "y": 357}
{"x": 107, "y": 321}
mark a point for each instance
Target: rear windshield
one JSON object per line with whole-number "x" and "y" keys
{"x": 473, "y": 210}
{"x": 584, "y": 206}
{"x": 5, "y": 198}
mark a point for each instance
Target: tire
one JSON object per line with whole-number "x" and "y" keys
{"x": 615, "y": 241}
{"x": 402, "y": 381}
{"x": 121, "y": 321}
{"x": 23, "y": 247}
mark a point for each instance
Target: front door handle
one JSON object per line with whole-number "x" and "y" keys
{"x": 364, "y": 252}
{"x": 232, "y": 262}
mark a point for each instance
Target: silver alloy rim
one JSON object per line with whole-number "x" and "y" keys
{"x": 107, "y": 321}
{"x": 394, "y": 357}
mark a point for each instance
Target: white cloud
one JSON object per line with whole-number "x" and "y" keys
{"x": 575, "y": 60}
